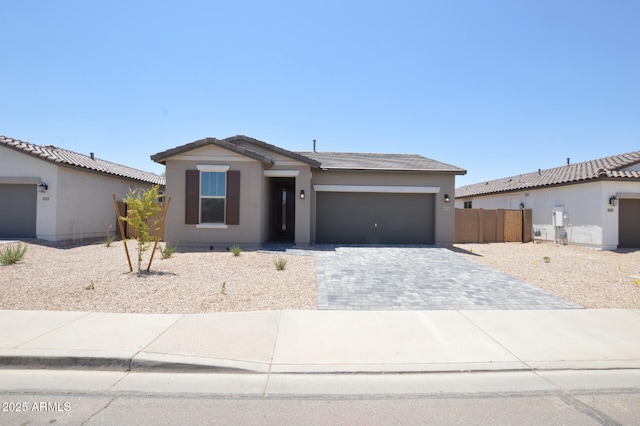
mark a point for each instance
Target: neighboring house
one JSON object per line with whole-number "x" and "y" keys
{"x": 244, "y": 191}
{"x": 594, "y": 203}
{"x": 55, "y": 194}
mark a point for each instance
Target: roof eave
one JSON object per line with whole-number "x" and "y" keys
{"x": 163, "y": 156}
{"x": 551, "y": 185}
{"x": 229, "y": 143}
{"x": 276, "y": 149}
{"x": 381, "y": 169}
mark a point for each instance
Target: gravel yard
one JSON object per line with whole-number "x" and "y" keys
{"x": 591, "y": 278}
{"x": 59, "y": 276}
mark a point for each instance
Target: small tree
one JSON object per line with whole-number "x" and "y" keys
{"x": 141, "y": 206}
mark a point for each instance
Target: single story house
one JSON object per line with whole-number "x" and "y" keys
{"x": 594, "y": 203}
{"x": 240, "y": 190}
{"x": 55, "y": 194}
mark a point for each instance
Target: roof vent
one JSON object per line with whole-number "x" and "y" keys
{"x": 314, "y": 145}
{"x": 568, "y": 160}
{"x": 91, "y": 155}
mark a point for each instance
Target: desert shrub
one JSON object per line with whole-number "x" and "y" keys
{"x": 236, "y": 250}
{"x": 280, "y": 262}
{"x": 110, "y": 238}
{"x": 12, "y": 254}
{"x": 168, "y": 250}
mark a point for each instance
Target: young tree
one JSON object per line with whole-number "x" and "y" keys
{"x": 141, "y": 207}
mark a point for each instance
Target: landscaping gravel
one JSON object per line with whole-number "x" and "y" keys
{"x": 93, "y": 277}
{"x": 61, "y": 276}
{"x": 597, "y": 279}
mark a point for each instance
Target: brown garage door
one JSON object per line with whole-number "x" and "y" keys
{"x": 18, "y": 211}
{"x": 628, "y": 223}
{"x": 374, "y": 218}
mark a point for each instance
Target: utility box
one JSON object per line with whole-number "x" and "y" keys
{"x": 558, "y": 217}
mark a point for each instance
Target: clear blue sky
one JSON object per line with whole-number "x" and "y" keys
{"x": 495, "y": 87}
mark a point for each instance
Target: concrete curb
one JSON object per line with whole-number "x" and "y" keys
{"x": 187, "y": 364}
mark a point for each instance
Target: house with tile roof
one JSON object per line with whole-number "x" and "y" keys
{"x": 240, "y": 190}
{"x": 594, "y": 203}
{"x": 55, "y": 194}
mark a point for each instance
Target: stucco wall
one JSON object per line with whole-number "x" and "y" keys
{"x": 590, "y": 220}
{"x": 74, "y": 196}
{"x": 85, "y": 199}
{"x": 255, "y": 202}
{"x": 444, "y": 212}
{"x": 251, "y": 206}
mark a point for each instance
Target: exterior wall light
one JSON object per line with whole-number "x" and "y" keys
{"x": 302, "y": 194}
{"x": 613, "y": 201}
{"x": 42, "y": 187}
{"x": 446, "y": 198}
{"x": 521, "y": 206}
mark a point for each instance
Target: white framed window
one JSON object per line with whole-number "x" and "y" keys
{"x": 213, "y": 194}
{"x": 212, "y": 198}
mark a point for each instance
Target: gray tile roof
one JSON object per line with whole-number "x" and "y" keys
{"x": 602, "y": 168}
{"x": 69, "y": 158}
{"x": 370, "y": 161}
{"x": 324, "y": 160}
{"x": 231, "y": 144}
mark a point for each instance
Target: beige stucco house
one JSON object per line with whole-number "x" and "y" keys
{"x": 56, "y": 194}
{"x": 594, "y": 203}
{"x": 241, "y": 190}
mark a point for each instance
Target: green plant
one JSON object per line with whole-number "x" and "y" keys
{"x": 141, "y": 208}
{"x": 168, "y": 250}
{"x": 236, "y": 250}
{"x": 11, "y": 254}
{"x": 546, "y": 259}
{"x": 110, "y": 238}
{"x": 280, "y": 263}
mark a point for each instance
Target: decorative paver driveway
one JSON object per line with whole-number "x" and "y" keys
{"x": 418, "y": 278}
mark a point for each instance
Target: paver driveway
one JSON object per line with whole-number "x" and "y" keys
{"x": 418, "y": 278}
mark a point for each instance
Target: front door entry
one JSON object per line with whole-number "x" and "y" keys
{"x": 285, "y": 212}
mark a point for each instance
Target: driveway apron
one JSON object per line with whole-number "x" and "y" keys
{"x": 419, "y": 278}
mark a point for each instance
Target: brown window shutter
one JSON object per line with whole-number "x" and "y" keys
{"x": 233, "y": 197}
{"x": 192, "y": 198}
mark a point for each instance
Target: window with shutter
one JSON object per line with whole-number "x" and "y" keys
{"x": 212, "y": 197}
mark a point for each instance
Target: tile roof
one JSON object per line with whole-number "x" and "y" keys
{"x": 69, "y": 158}
{"x": 369, "y": 161}
{"x": 603, "y": 168}
{"x": 231, "y": 144}
{"x": 324, "y": 160}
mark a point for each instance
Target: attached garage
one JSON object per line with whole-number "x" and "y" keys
{"x": 18, "y": 210}
{"x": 629, "y": 222}
{"x": 375, "y": 218}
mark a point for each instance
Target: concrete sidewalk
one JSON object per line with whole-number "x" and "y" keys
{"x": 323, "y": 341}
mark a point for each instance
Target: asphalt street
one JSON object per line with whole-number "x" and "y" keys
{"x": 110, "y": 398}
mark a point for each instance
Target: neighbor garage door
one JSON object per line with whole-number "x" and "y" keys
{"x": 18, "y": 211}
{"x": 628, "y": 223}
{"x": 374, "y": 218}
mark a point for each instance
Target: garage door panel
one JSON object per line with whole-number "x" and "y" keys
{"x": 18, "y": 211}
{"x": 374, "y": 218}
{"x": 628, "y": 223}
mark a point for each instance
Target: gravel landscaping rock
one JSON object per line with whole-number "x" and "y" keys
{"x": 59, "y": 276}
{"x": 596, "y": 279}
